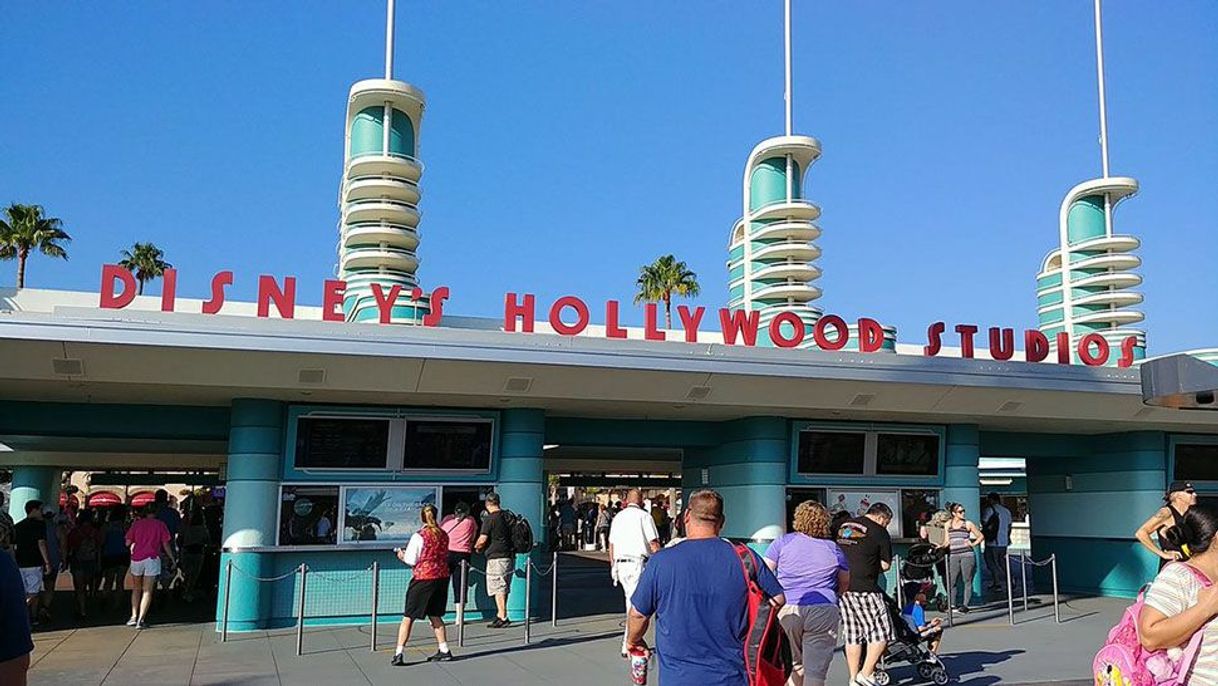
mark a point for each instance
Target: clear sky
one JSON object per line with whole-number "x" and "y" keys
{"x": 568, "y": 143}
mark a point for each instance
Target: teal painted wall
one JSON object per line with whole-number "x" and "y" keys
{"x": 88, "y": 420}
{"x": 367, "y": 131}
{"x": 401, "y": 135}
{"x": 749, "y": 469}
{"x": 768, "y": 182}
{"x": 1085, "y": 219}
{"x": 1116, "y": 482}
{"x": 250, "y": 510}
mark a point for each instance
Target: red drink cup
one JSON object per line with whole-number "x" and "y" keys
{"x": 639, "y": 657}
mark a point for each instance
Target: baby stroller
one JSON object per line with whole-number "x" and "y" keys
{"x": 909, "y": 648}
{"x": 919, "y": 568}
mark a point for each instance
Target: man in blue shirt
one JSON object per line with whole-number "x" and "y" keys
{"x": 698, "y": 592}
{"x": 15, "y": 642}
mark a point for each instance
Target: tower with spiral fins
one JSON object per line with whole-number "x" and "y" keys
{"x": 378, "y": 199}
{"x": 1087, "y": 284}
{"x": 771, "y": 252}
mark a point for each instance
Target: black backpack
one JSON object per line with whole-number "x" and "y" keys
{"x": 520, "y": 532}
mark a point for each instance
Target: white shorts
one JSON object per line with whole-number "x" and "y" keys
{"x": 149, "y": 567}
{"x": 32, "y": 578}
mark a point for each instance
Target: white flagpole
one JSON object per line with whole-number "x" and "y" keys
{"x": 787, "y": 94}
{"x": 389, "y": 41}
{"x": 1099, "y": 68}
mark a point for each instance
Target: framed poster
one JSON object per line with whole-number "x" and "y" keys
{"x": 856, "y": 503}
{"x": 384, "y": 514}
{"x": 308, "y": 515}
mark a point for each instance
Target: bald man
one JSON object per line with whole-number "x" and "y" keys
{"x": 632, "y": 539}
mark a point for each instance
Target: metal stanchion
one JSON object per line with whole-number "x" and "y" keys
{"x": 896, "y": 565}
{"x": 1023, "y": 579}
{"x": 1057, "y": 614}
{"x": 1010, "y": 592}
{"x": 461, "y": 605}
{"x": 228, "y": 587}
{"x": 528, "y": 595}
{"x": 554, "y": 591}
{"x": 947, "y": 567}
{"x": 376, "y": 597}
{"x": 301, "y": 613}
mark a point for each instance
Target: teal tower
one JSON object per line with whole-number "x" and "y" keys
{"x": 378, "y": 224}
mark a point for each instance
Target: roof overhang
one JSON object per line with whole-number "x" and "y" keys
{"x": 1180, "y": 382}
{"x": 194, "y": 359}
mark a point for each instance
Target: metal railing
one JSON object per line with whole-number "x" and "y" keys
{"x": 1024, "y": 561}
{"x": 552, "y": 572}
{"x": 349, "y": 586}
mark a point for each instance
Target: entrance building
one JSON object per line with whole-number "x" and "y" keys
{"x": 360, "y": 424}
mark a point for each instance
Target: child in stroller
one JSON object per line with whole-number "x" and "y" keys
{"x": 912, "y": 646}
{"x": 919, "y": 568}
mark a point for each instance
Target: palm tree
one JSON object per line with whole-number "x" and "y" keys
{"x": 661, "y": 279}
{"x": 146, "y": 261}
{"x": 25, "y": 229}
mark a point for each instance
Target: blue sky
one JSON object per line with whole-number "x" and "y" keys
{"x": 568, "y": 143}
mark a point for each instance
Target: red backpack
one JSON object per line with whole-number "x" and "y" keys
{"x": 767, "y": 652}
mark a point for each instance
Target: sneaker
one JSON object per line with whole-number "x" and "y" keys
{"x": 505, "y": 623}
{"x": 963, "y": 609}
{"x": 398, "y": 660}
{"x": 441, "y": 657}
{"x": 861, "y": 680}
{"x": 497, "y": 624}
{"x": 131, "y": 622}
{"x": 141, "y": 625}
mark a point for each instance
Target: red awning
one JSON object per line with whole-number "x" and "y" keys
{"x": 104, "y": 499}
{"x": 68, "y": 501}
{"x": 143, "y": 498}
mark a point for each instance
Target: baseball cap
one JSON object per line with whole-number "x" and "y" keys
{"x": 1177, "y": 486}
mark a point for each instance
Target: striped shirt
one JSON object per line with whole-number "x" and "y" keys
{"x": 958, "y": 539}
{"x": 1175, "y": 590}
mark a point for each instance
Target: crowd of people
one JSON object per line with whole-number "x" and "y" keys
{"x": 824, "y": 576}
{"x": 105, "y": 550}
{"x": 588, "y": 524}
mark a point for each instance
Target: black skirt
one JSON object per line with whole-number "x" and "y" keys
{"x": 426, "y": 598}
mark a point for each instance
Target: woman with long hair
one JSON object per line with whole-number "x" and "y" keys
{"x": 427, "y": 595}
{"x": 813, "y": 571}
{"x": 1179, "y": 498}
{"x": 1179, "y": 603}
{"x": 962, "y": 537}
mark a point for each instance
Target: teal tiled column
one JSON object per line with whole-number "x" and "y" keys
{"x": 962, "y": 480}
{"x": 255, "y": 449}
{"x": 749, "y": 469}
{"x": 33, "y": 483}
{"x": 522, "y": 490}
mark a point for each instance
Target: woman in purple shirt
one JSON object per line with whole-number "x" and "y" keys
{"x": 812, "y": 570}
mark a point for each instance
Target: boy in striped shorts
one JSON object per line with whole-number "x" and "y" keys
{"x": 866, "y": 624}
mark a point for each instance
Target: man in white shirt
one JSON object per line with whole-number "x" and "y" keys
{"x": 996, "y": 528}
{"x": 632, "y": 539}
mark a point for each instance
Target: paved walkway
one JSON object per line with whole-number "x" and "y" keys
{"x": 981, "y": 650}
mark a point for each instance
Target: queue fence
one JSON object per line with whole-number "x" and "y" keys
{"x": 529, "y": 568}
{"x": 322, "y": 595}
{"x": 1024, "y": 562}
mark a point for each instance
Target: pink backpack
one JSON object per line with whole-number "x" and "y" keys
{"x": 1124, "y": 662}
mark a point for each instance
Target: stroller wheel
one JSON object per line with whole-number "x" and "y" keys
{"x": 925, "y": 669}
{"x": 939, "y": 676}
{"x": 881, "y": 678}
